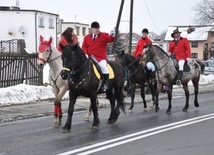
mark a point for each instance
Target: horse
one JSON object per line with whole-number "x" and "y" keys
{"x": 136, "y": 75}
{"x": 166, "y": 75}
{"x": 47, "y": 54}
{"x": 79, "y": 71}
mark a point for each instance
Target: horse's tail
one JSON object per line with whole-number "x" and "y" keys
{"x": 202, "y": 65}
{"x": 123, "y": 105}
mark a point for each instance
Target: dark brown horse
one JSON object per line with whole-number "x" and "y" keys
{"x": 83, "y": 81}
{"x": 136, "y": 75}
{"x": 166, "y": 75}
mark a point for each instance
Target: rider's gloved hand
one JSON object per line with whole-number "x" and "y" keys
{"x": 188, "y": 60}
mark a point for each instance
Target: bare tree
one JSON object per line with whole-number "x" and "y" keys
{"x": 204, "y": 12}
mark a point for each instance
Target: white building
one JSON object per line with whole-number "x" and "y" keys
{"x": 80, "y": 29}
{"x": 28, "y": 25}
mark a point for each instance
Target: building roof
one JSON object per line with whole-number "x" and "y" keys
{"x": 199, "y": 32}
{"x": 75, "y": 23}
{"x": 7, "y": 8}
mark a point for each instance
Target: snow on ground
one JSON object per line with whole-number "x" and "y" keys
{"x": 23, "y": 94}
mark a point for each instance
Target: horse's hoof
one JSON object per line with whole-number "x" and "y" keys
{"x": 130, "y": 110}
{"x": 168, "y": 111}
{"x": 197, "y": 105}
{"x": 65, "y": 130}
{"x": 95, "y": 127}
{"x": 157, "y": 109}
{"x": 144, "y": 109}
{"x": 111, "y": 121}
{"x": 184, "y": 110}
{"x": 86, "y": 118}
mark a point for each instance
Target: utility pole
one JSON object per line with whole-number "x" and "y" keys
{"x": 118, "y": 23}
{"x": 130, "y": 26}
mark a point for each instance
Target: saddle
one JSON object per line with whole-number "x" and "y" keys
{"x": 98, "y": 72}
{"x": 186, "y": 66}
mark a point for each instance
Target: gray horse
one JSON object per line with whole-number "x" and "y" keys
{"x": 166, "y": 74}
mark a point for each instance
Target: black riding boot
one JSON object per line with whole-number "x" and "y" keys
{"x": 105, "y": 82}
{"x": 180, "y": 75}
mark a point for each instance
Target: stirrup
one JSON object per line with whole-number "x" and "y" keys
{"x": 178, "y": 82}
{"x": 104, "y": 88}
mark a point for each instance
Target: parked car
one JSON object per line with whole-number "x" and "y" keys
{"x": 209, "y": 67}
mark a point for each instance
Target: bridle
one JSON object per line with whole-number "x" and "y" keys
{"x": 48, "y": 59}
{"x": 131, "y": 65}
{"x": 155, "y": 60}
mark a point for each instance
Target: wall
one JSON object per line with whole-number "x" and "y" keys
{"x": 12, "y": 20}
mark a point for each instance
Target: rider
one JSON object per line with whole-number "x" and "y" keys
{"x": 180, "y": 48}
{"x": 142, "y": 42}
{"x": 95, "y": 46}
{"x": 67, "y": 37}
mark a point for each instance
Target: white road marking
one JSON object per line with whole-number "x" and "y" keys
{"x": 140, "y": 135}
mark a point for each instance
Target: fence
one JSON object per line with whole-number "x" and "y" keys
{"x": 17, "y": 66}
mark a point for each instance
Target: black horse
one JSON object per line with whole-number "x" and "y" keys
{"x": 82, "y": 81}
{"x": 137, "y": 75}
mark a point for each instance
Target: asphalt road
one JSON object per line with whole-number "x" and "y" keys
{"x": 139, "y": 132}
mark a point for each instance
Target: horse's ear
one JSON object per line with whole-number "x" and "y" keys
{"x": 41, "y": 39}
{"x": 50, "y": 41}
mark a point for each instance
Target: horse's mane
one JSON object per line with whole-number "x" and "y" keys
{"x": 158, "y": 47}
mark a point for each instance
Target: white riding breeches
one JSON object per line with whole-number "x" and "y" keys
{"x": 150, "y": 66}
{"x": 181, "y": 65}
{"x": 102, "y": 64}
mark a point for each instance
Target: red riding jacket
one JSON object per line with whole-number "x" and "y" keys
{"x": 140, "y": 46}
{"x": 97, "y": 47}
{"x": 181, "y": 49}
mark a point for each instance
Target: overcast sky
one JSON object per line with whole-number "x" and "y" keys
{"x": 156, "y": 15}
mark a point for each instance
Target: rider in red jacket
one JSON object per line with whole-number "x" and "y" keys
{"x": 95, "y": 46}
{"x": 180, "y": 48}
{"x": 142, "y": 42}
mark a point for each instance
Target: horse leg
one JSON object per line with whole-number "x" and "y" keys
{"x": 195, "y": 84}
{"x": 94, "y": 109}
{"x": 57, "y": 106}
{"x": 133, "y": 87}
{"x": 88, "y": 114}
{"x": 72, "y": 101}
{"x": 185, "y": 87}
{"x": 143, "y": 95}
{"x": 57, "y": 113}
{"x": 156, "y": 103}
{"x": 112, "y": 103}
{"x": 169, "y": 99}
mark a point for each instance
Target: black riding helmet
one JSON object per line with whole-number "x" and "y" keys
{"x": 145, "y": 31}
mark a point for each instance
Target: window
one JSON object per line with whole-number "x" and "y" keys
{"x": 78, "y": 31}
{"x": 194, "y": 55}
{"x": 194, "y": 44}
{"x": 83, "y": 31}
{"x": 41, "y": 22}
{"x": 206, "y": 47}
{"x": 212, "y": 34}
{"x": 212, "y": 44}
{"x": 51, "y": 23}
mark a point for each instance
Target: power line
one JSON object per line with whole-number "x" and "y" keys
{"x": 151, "y": 15}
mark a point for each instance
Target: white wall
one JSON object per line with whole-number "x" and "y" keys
{"x": 45, "y": 31}
{"x": 13, "y": 20}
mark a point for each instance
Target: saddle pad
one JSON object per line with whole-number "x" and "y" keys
{"x": 111, "y": 72}
{"x": 186, "y": 67}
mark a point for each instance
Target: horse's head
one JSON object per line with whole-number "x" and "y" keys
{"x": 120, "y": 58}
{"x": 71, "y": 60}
{"x": 44, "y": 51}
{"x": 147, "y": 53}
